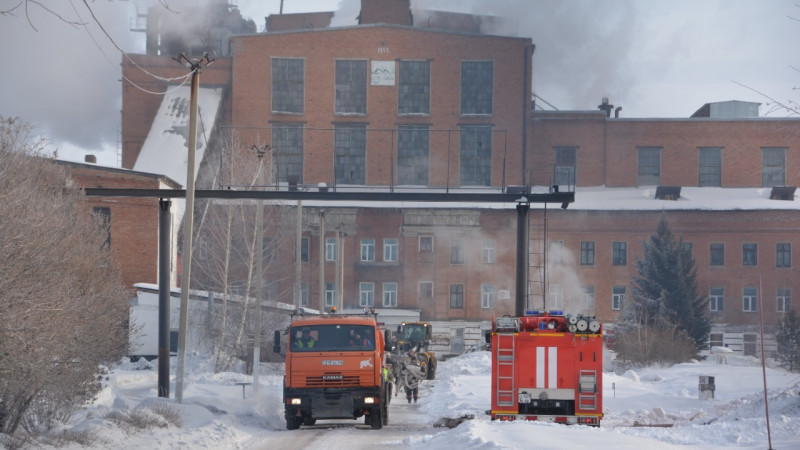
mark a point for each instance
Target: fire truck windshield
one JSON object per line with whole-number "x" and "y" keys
{"x": 327, "y": 338}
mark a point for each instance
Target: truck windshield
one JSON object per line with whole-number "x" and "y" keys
{"x": 413, "y": 333}
{"x": 335, "y": 337}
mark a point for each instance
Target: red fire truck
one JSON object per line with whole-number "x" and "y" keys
{"x": 547, "y": 366}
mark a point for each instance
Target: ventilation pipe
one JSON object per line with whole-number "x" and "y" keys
{"x": 616, "y": 112}
{"x": 605, "y": 106}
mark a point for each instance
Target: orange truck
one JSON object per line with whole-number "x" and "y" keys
{"x": 547, "y": 367}
{"x": 334, "y": 370}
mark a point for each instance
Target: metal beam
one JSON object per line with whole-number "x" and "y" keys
{"x": 563, "y": 198}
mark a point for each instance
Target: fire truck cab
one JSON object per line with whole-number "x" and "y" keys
{"x": 547, "y": 366}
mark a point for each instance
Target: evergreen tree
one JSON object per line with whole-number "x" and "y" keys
{"x": 788, "y": 337}
{"x": 665, "y": 288}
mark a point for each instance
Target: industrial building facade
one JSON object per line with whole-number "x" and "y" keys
{"x": 391, "y": 105}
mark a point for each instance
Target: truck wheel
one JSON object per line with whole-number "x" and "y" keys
{"x": 293, "y": 422}
{"x": 377, "y": 419}
{"x": 309, "y": 421}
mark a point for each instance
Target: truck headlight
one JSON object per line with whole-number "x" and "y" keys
{"x": 295, "y": 401}
{"x": 369, "y": 400}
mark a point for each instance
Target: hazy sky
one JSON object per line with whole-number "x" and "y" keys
{"x": 655, "y": 59}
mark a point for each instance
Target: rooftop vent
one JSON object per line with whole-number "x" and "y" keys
{"x": 668, "y": 192}
{"x": 782, "y": 193}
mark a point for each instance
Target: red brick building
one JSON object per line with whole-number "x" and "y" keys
{"x": 387, "y": 103}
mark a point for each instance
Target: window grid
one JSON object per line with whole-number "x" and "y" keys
{"x": 390, "y": 248}
{"x": 330, "y": 249}
{"x": 426, "y": 243}
{"x": 390, "y": 295}
{"x": 717, "y": 254}
{"x": 330, "y": 293}
{"x": 710, "y": 166}
{"x": 773, "y": 166}
{"x": 488, "y": 295}
{"x": 587, "y": 253}
{"x": 368, "y": 250}
{"x": 457, "y": 296}
{"x": 784, "y": 299}
{"x": 620, "y": 253}
{"x": 565, "y": 163}
{"x": 351, "y": 87}
{"x": 304, "y": 249}
{"x": 366, "y": 295}
{"x": 476, "y": 156}
{"x": 413, "y": 158}
{"x": 489, "y": 252}
{"x": 456, "y": 252}
{"x": 287, "y": 145}
{"x": 749, "y": 254}
{"x": 617, "y": 297}
{"x": 288, "y": 76}
{"x": 783, "y": 254}
{"x": 350, "y": 154}
{"x": 649, "y": 166}
{"x": 716, "y": 298}
{"x": 414, "y": 88}
{"x": 476, "y": 87}
{"x": 749, "y": 299}
{"x": 303, "y": 294}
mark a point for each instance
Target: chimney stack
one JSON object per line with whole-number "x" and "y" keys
{"x": 605, "y": 106}
{"x": 90, "y": 159}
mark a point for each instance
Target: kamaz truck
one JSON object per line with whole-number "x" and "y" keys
{"x": 334, "y": 370}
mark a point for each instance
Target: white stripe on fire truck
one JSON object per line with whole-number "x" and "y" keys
{"x": 540, "y": 367}
{"x": 552, "y": 367}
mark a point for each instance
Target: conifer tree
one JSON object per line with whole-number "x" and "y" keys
{"x": 788, "y": 337}
{"x": 665, "y": 287}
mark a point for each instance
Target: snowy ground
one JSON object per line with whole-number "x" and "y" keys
{"x": 214, "y": 414}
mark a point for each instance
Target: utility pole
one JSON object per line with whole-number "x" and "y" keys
{"x": 322, "y": 260}
{"x": 259, "y": 252}
{"x": 194, "y": 65}
{"x": 298, "y": 255}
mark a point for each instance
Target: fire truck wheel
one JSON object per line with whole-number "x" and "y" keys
{"x": 377, "y": 419}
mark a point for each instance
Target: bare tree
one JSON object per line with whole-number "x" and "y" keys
{"x": 63, "y": 307}
{"x": 227, "y": 259}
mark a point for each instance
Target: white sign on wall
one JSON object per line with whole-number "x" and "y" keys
{"x": 383, "y": 73}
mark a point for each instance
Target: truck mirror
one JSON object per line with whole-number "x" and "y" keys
{"x": 276, "y": 345}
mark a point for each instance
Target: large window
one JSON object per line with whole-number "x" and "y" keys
{"x": 716, "y": 298}
{"x": 717, "y": 255}
{"x": 476, "y": 156}
{"x": 783, "y": 254}
{"x": 749, "y": 254}
{"x": 620, "y": 253}
{"x": 488, "y": 295}
{"x": 773, "y": 166}
{"x": 287, "y": 147}
{"x": 749, "y": 299}
{"x": 476, "y": 87}
{"x": 390, "y": 295}
{"x": 426, "y": 243}
{"x": 617, "y": 297}
{"x": 649, "y": 166}
{"x": 566, "y": 161}
{"x": 784, "y": 298}
{"x": 366, "y": 294}
{"x": 351, "y": 86}
{"x": 350, "y": 154}
{"x": 414, "y": 88}
{"x": 368, "y": 250}
{"x": 425, "y": 290}
{"x": 710, "y": 163}
{"x": 457, "y": 296}
{"x": 456, "y": 252}
{"x": 587, "y": 253}
{"x": 390, "y": 247}
{"x": 303, "y": 294}
{"x": 413, "y": 159}
{"x": 288, "y": 93}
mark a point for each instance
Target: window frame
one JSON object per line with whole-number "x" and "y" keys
{"x": 457, "y": 252}
{"x": 488, "y": 296}
{"x": 389, "y": 289}
{"x": 475, "y": 100}
{"x": 716, "y": 300}
{"x": 648, "y": 157}
{"x": 783, "y": 255}
{"x": 413, "y": 155}
{"x": 749, "y": 299}
{"x": 367, "y": 250}
{"x": 489, "y": 251}
{"x": 783, "y": 299}
{"x": 426, "y": 244}
{"x": 284, "y": 88}
{"x": 350, "y": 151}
{"x": 366, "y": 294}
{"x": 618, "y": 298}
{"x": 457, "y": 296}
{"x": 709, "y": 166}
{"x": 391, "y": 250}
{"x": 587, "y": 253}
{"x": 414, "y": 89}
{"x": 749, "y": 254}
{"x": 773, "y": 172}
{"x": 330, "y": 294}
{"x": 565, "y": 165}
{"x": 331, "y": 253}
{"x": 350, "y": 93}
{"x": 716, "y": 252}
{"x": 475, "y": 155}
{"x": 619, "y": 251}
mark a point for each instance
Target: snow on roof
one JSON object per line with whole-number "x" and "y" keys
{"x": 165, "y": 151}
